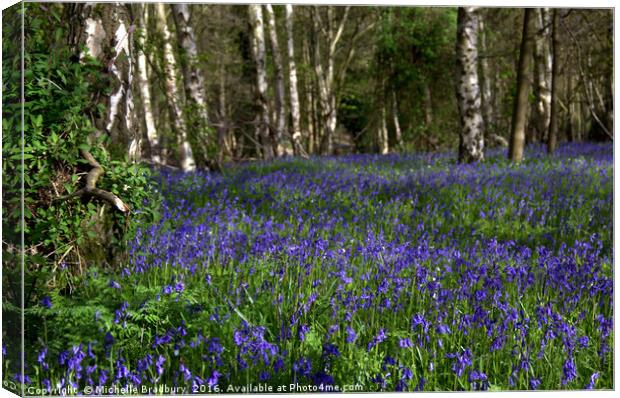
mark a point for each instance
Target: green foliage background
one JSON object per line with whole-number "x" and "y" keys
{"x": 61, "y": 93}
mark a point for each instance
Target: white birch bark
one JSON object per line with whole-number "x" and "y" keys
{"x": 295, "y": 112}
{"x": 112, "y": 26}
{"x": 384, "y": 147}
{"x": 280, "y": 133}
{"x": 176, "y": 112}
{"x": 542, "y": 72}
{"x": 397, "y": 129}
{"x": 147, "y": 107}
{"x": 324, "y": 69}
{"x": 471, "y": 142}
{"x": 258, "y": 51}
{"x": 310, "y": 98}
{"x": 193, "y": 79}
{"x": 552, "y": 138}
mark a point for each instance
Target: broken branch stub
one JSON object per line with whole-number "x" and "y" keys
{"x": 90, "y": 189}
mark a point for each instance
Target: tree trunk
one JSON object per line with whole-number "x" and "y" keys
{"x": 297, "y": 135}
{"x": 487, "y": 98}
{"x": 471, "y": 142}
{"x": 399, "y": 134}
{"x": 579, "y": 125}
{"x": 572, "y": 110}
{"x": 384, "y": 147}
{"x": 225, "y": 147}
{"x": 280, "y": 133}
{"x": 258, "y": 51}
{"x": 145, "y": 93}
{"x": 112, "y": 27}
{"x": 542, "y": 73}
{"x": 324, "y": 69}
{"x": 428, "y": 107}
{"x": 553, "y": 125}
{"x": 174, "y": 99}
{"x": 193, "y": 79}
{"x": 517, "y": 133}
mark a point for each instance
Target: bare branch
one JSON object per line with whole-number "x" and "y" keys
{"x": 90, "y": 189}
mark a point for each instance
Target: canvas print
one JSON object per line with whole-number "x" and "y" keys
{"x": 257, "y": 198}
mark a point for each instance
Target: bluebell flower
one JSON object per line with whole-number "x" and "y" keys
{"x": 443, "y": 329}
{"x": 420, "y": 385}
{"x": 302, "y": 367}
{"x": 569, "y": 371}
{"x": 330, "y": 349}
{"x": 405, "y": 343}
{"x": 462, "y": 360}
{"x": 321, "y": 378}
{"x": 214, "y": 378}
{"x": 303, "y": 330}
{"x": 108, "y": 341}
{"x": 187, "y": 375}
{"x": 351, "y": 335}
{"x": 46, "y": 302}
{"x": 592, "y": 383}
{"x": 41, "y": 358}
{"x": 407, "y": 374}
{"x": 379, "y": 338}
{"x": 103, "y": 377}
{"x": 159, "y": 365}
{"x": 19, "y": 378}
{"x": 401, "y": 385}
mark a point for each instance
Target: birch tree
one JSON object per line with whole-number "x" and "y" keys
{"x": 258, "y": 52}
{"x": 172, "y": 93}
{"x": 542, "y": 72}
{"x": 471, "y": 139}
{"x": 111, "y": 26}
{"x": 145, "y": 93}
{"x": 280, "y": 132}
{"x": 553, "y": 127}
{"x": 517, "y": 132}
{"x": 328, "y": 31}
{"x": 397, "y": 129}
{"x": 382, "y": 131}
{"x": 324, "y": 70}
{"x": 296, "y": 136}
{"x": 193, "y": 78}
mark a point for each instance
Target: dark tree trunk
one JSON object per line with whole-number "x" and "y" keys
{"x": 517, "y": 133}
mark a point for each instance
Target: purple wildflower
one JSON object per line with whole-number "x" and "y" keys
{"x": 405, "y": 343}
{"x": 569, "y": 370}
{"x": 351, "y": 335}
{"x": 46, "y": 302}
{"x": 592, "y": 383}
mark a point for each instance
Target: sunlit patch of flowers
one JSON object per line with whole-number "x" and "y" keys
{"x": 397, "y": 273}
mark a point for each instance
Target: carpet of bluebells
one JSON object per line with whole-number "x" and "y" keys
{"x": 393, "y": 273}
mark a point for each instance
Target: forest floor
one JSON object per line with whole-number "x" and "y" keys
{"x": 361, "y": 272}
